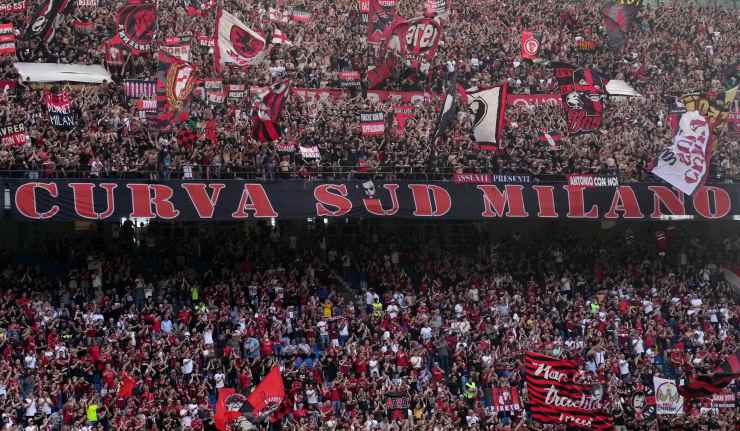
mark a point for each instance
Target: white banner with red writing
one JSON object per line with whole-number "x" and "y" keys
{"x": 684, "y": 163}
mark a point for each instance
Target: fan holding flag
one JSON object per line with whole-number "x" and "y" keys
{"x": 235, "y": 411}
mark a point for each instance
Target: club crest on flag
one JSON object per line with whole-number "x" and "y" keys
{"x": 180, "y": 79}
{"x": 245, "y": 44}
{"x": 136, "y": 26}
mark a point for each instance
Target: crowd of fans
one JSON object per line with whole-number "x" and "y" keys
{"x": 185, "y": 311}
{"x": 676, "y": 48}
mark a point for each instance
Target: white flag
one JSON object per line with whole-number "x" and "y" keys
{"x": 684, "y": 164}
{"x": 236, "y": 43}
{"x": 667, "y": 399}
{"x": 489, "y": 106}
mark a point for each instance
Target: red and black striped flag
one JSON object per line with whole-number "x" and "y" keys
{"x": 556, "y": 397}
{"x": 175, "y": 82}
{"x": 707, "y": 384}
{"x": 267, "y": 112}
{"x": 619, "y": 19}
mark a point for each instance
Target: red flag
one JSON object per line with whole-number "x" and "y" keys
{"x": 223, "y": 416}
{"x": 211, "y": 133}
{"x": 531, "y": 45}
{"x": 271, "y": 390}
{"x": 126, "y": 389}
{"x": 267, "y": 111}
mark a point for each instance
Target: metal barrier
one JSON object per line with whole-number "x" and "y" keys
{"x": 199, "y": 172}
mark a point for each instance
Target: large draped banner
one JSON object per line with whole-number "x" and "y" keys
{"x": 584, "y": 96}
{"x": 556, "y": 397}
{"x": 416, "y": 40}
{"x": 237, "y": 200}
{"x": 136, "y": 25}
{"x": 42, "y": 24}
{"x": 175, "y": 82}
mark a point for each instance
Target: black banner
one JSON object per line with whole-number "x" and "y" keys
{"x": 59, "y": 106}
{"x": 42, "y": 23}
{"x": 583, "y": 93}
{"x": 236, "y": 200}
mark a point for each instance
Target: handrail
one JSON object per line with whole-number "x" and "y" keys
{"x": 335, "y": 173}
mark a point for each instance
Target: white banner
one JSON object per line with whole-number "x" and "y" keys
{"x": 310, "y": 152}
{"x": 53, "y": 72}
{"x": 685, "y": 162}
{"x": 181, "y": 51}
{"x": 667, "y": 399}
{"x": 236, "y": 44}
{"x": 488, "y": 106}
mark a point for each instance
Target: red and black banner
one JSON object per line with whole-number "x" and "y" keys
{"x": 198, "y": 7}
{"x": 397, "y": 405}
{"x": 556, "y": 397}
{"x": 12, "y": 6}
{"x": 372, "y": 123}
{"x": 349, "y": 79}
{"x": 59, "y": 106}
{"x": 381, "y": 18}
{"x": 505, "y": 400}
{"x": 175, "y": 82}
{"x": 708, "y": 384}
{"x": 42, "y": 24}
{"x": 237, "y": 200}
{"x": 583, "y": 92}
{"x": 136, "y": 25}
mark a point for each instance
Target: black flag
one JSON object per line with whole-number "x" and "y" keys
{"x": 448, "y": 113}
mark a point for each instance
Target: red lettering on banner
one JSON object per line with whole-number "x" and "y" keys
{"x": 338, "y": 200}
{"x": 25, "y": 200}
{"x": 143, "y": 196}
{"x": 624, "y": 200}
{"x": 577, "y": 205}
{"x": 254, "y": 198}
{"x": 205, "y": 205}
{"x": 720, "y": 198}
{"x": 375, "y": 207}
{"x": 84, "y": 201}
{"x": 423, "y": 202}
{"x": 674, "y": 202}
{"x": 546, "y": 201}
{"x": 495, "y": 202}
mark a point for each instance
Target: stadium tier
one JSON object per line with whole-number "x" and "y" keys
{"x": 369, "y": 215}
